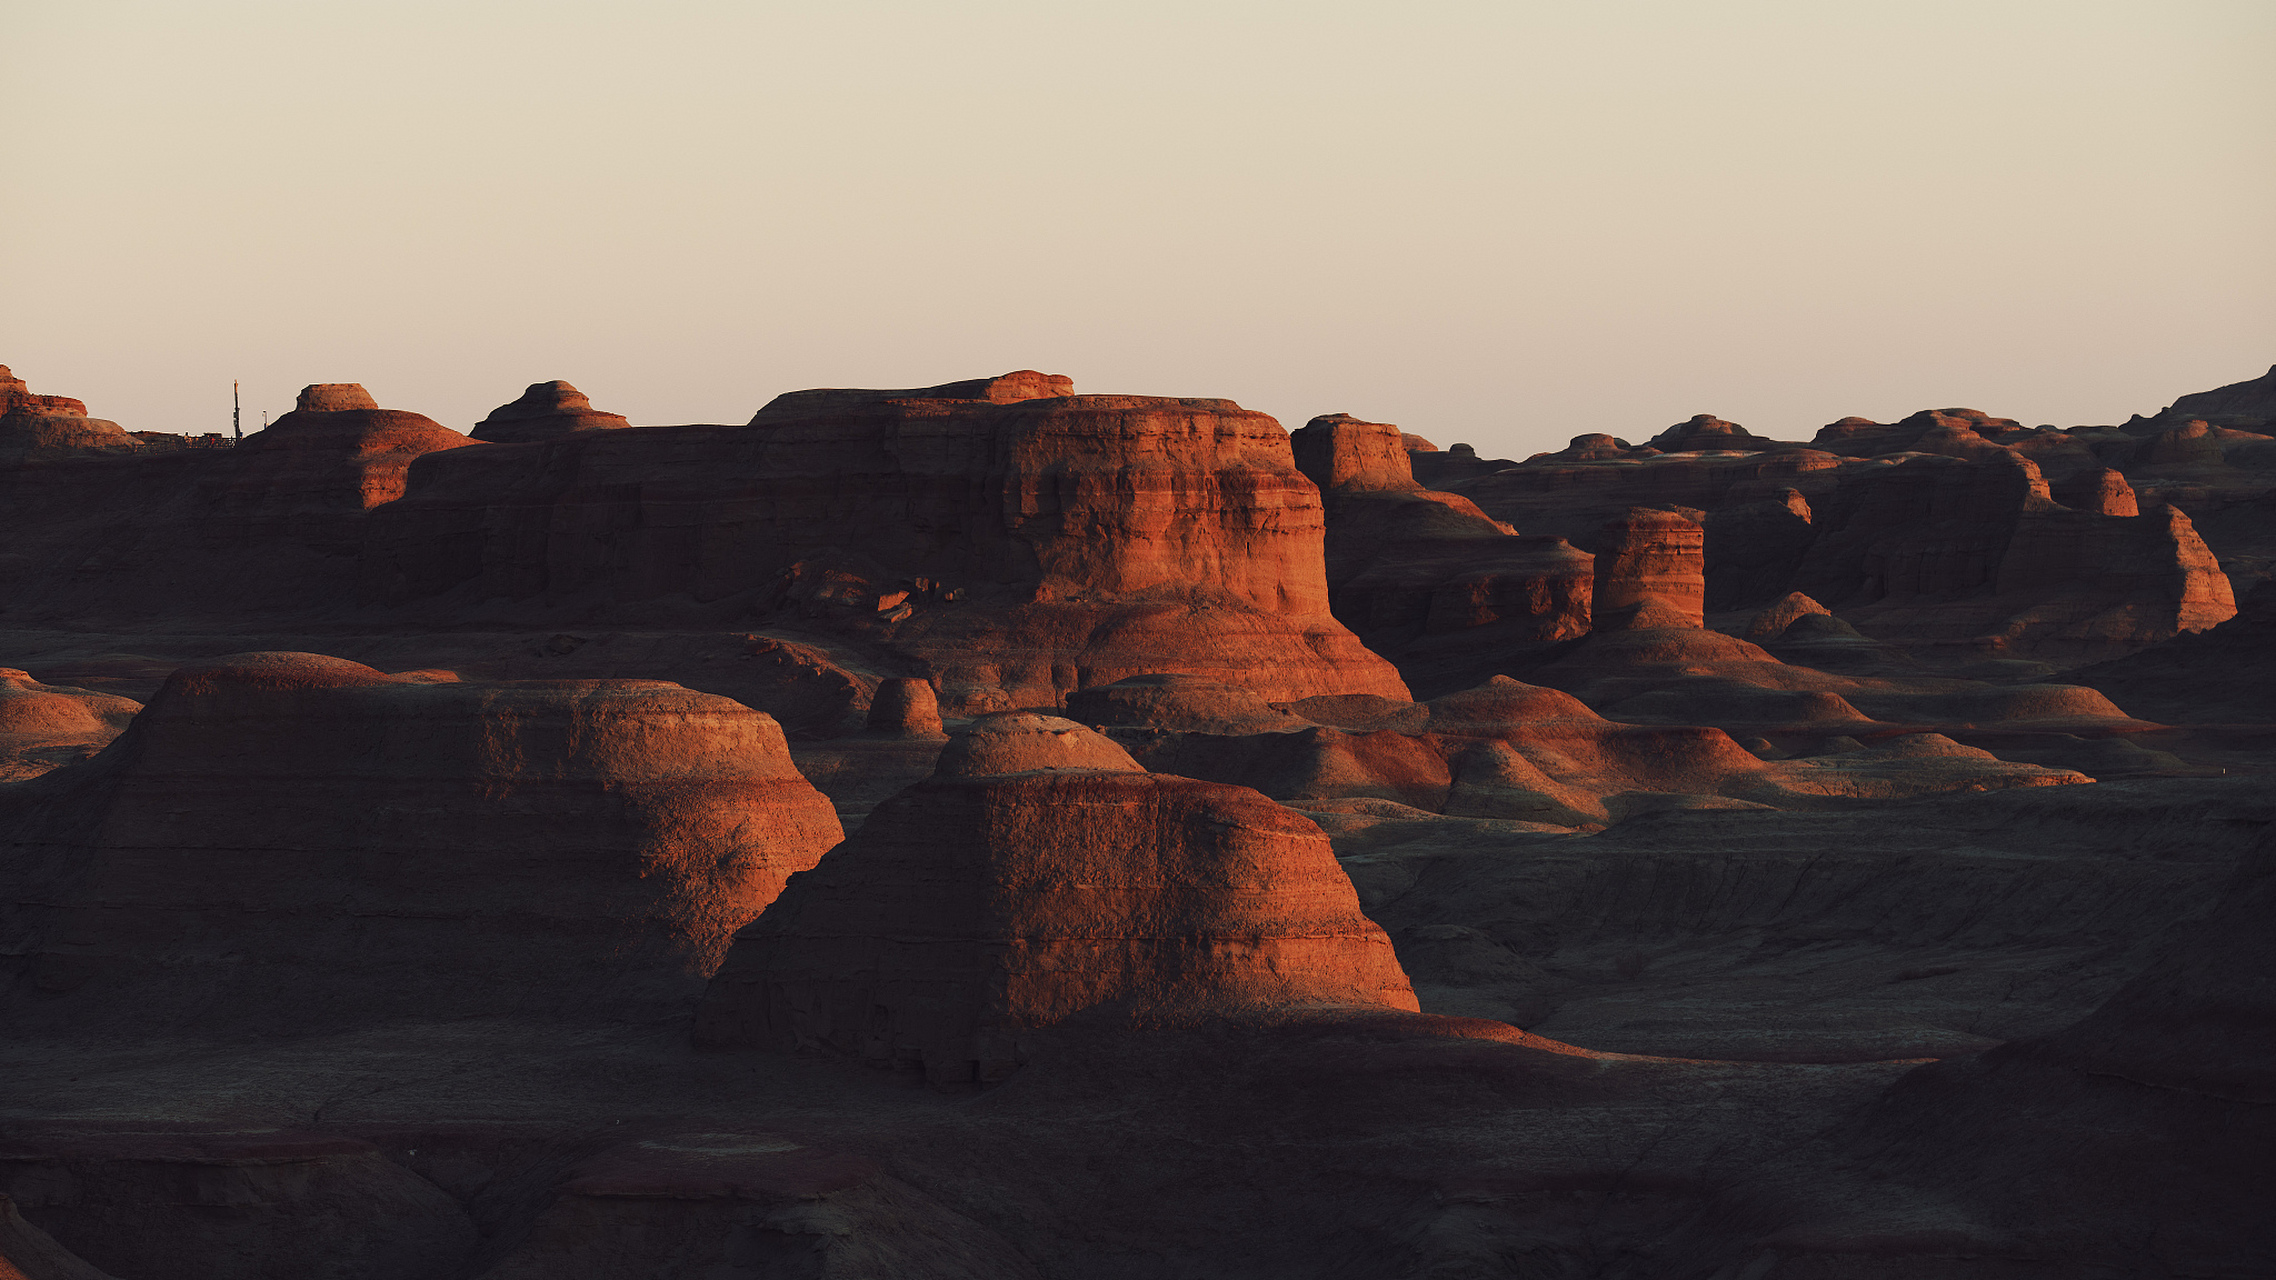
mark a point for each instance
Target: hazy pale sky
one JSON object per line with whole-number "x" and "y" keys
{"x": 1504, "y": 223}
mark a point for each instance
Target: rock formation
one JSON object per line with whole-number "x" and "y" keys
{"x": 287, "y": 840}
{"x": 44, "y": 726}
{"x": 36, "y": 428}
{"x": 1968, "y": 546}
{"x": 1040, "y": 874}
{"x": 1650, "y": 572}
{"x": 1012, "y": 541}
{"x": 2249, "y": 404}
{"x": 905, "y": 708}
{"x": 1426, "y": 577}
{"x": 546, "y": 411}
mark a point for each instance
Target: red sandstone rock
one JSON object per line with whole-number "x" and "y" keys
{"x": 44, "y": 726}
{"x": 314, "y": 472}
{"x": 1981, "y": 553}
{"x": 37, "y": 428}
{"x": 1410, "y": 570}
{"x": 1703, "y": 431}
{"x": 1650, "y": 572}
{"x": 288, "y": 840}
{"x": 1036, "y": 876}
{"x": 905, "y": 708}
{"x": 1773, "y": 621}
{"x": 2102, "y": 491}
{"x": 1011, "y": 541}
{"x": 545, "y": 411}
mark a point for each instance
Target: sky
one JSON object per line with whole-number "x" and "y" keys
{"x": 1501, "y": 223}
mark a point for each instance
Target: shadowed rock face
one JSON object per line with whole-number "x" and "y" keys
{"x": 904, "y": 708}
{"x": 1038, "y": 874}
{"x": 1422, "y": 575}
{"x": 546, "y": 411}
{"x": 2239, "y": 404}
{"x": 36, "y": 428}
{"x": 1942, "y": 529}
{"x": 1011, "y": 541}
{"x": 311, "y": 475}
{"x": 287, "y": 840}
{"x": 2140, "y": 1133}
{"x": 1650, "y": 572}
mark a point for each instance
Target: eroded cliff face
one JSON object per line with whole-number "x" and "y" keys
{"x": 288, "y": 842}
{"x": 1038, "y": 874}
{"x": 1013, "y": 548}
{"x": 1948, "y": 529}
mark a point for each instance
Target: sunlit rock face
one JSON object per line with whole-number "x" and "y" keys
{"x": 1038, "y": 874}
{"x": 546, "y": 411}
{"x": 284, "y": 840}
{"x": 36, "y": 428}
{"x": 1013, "y": 540}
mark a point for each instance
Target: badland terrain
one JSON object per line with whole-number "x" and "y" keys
{"x": 989, "y": 830}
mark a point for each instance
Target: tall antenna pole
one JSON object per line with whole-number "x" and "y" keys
{"x": 236, "y": 411}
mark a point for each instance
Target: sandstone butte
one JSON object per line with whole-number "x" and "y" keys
{"x": 1948, "y": 528}
{"x": 545, "y": 411}
{"x": 289, "y": 841}
{"x": 1013, "y": 540}
{"x": 1037, "y": 875}
{"x": 1426, "y": 577}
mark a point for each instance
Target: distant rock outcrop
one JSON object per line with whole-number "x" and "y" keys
{"x": 36, "y": 428}
{"x": 1421, "y": 574}
{"x": 2249, "y": 404}
{"x": 546, "y": 411}
{"x": 1009, "y": 540}
{"x": 1040, "y": 874}
{"x": 1940, "y": 529}
{"x": 286, "y": 841}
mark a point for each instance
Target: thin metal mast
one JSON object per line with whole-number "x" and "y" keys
{"x": 236, "y": 412}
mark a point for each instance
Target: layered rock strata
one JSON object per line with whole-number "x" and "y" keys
{"x": 546, "y": 411}
{"x": 36, "y": 428}
{"x": 285, "y": 841}
{"x": 1039, "y": 874}
{"x": 1011, "y": 540}
{"x": 44, "y": 726}
{"x": 1424, "y": 576}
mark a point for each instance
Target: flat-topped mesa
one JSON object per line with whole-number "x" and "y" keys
{"x": 1039, "y": 874}
{"x": 283, "y": 840}
{"x": 545, "y": 411}
{"x": 1650, "y": 572}
{"x": 1009, "y": 542}
{"x": 36, "y": 428}
{"x": 1343, "y": 453}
